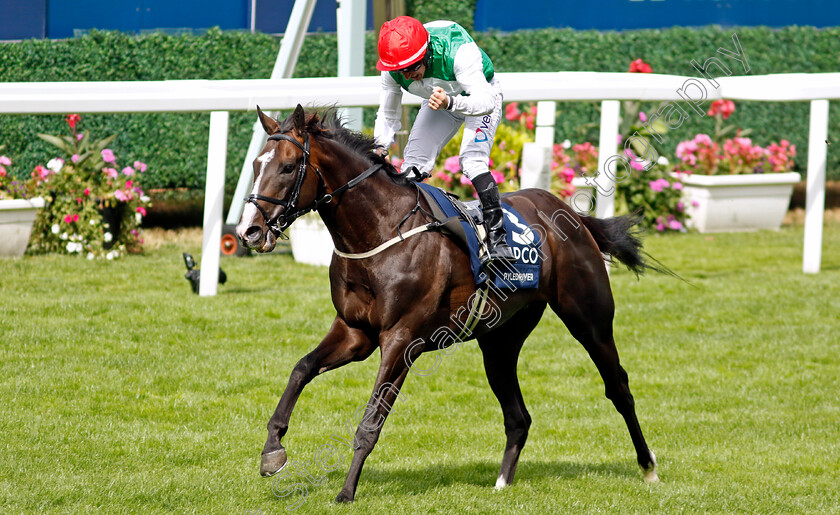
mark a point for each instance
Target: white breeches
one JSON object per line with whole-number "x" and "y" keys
{"x": 433, "y": 129}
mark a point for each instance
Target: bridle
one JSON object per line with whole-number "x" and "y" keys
{"x": 291, "y": 211}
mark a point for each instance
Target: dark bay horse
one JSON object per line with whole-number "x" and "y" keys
{"x": 403, "y": 298}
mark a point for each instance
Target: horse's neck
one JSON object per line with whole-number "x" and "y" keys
{"x": 366, "y": 215}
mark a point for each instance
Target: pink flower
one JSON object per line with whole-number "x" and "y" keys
{"x": 41, "y": 173}
{"x": 642, "y": 116}
{"x": 658, "y": 185}
{"x": 675, "y": 225}
{"x": 110, "y": 172}
{"x": 724, "y": 108}
{"x": 497, "y": 176}
{"x": 75, "y": 158}
{"x": 445, "y": 177}
{"x": 677, "y": 186}
{"x": 140, "y": 166}
{"x": 396, "y": 161}
{"x": 129, "y": 184}
{"x": 568, "y": 174}
{"x": 87, "y": 192}
{"x": 512, "y": 111}
{"x": 79, "y": 137}
{"x": 141, "y": 210}
{"x": 452, "y": 164}
{"x": 5, "y": 161}
{"x": 703, "y": 139}
{"x": 120, "y": 195}
{"x": 636, "y": 165}
{"x": 465, "y": 180}
{"x": 71, "y": 218}
{"x": 108, "y": 156}
{"x": 2, "y": 172}
{"x": 529, "y": 122}
{"x": 659, "y": 225}
{"x": 129, "y": 171}
{"x": 619, "y": 139}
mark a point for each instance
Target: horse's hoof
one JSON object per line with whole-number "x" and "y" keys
{"x": 650, "y": 471}
{"x": 343, "y": 497}
{"x": 650, "y": 476}
{"x": 272, "y": 462}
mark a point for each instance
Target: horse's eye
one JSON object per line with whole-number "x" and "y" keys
{"x": 289, "y": 168}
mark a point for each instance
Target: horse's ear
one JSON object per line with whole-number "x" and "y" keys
{"x": 269, "y": 124}
{"x": 299, "y": 119}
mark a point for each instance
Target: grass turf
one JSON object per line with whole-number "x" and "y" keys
{"x": 124, "y": 392}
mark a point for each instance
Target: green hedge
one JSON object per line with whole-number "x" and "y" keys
{"x": 175, "y": 145}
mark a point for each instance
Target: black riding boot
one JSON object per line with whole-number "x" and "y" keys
{"x": 494, "y": 218}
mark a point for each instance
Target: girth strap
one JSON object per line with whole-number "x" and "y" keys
{"x": 393, "y": 241}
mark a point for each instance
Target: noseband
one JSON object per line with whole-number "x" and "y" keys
{"x": 291, "y": 212}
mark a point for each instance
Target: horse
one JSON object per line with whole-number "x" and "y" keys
{"x": 394, "y": 298}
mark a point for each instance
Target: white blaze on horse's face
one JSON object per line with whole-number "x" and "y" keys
{"x": 250, "y": 213}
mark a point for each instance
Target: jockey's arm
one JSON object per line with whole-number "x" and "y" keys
{"x": 388, "y": 116}
{"x": 470, "y": 75}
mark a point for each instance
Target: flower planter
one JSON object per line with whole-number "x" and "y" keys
{"x": 16, "y": 219}
{"x": 311, "y": 241}
{"x": 729, "y": 203}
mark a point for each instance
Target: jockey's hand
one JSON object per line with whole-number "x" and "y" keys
{"x": 381, "y": 151}
{"x": 438, "y": 100}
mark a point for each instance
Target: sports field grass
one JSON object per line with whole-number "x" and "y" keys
{"x": 122, "y": 392}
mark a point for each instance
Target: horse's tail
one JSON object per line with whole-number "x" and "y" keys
{"x": 618, "y": 239}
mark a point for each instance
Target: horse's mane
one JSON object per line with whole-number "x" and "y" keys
{"x": 328, "y": 124}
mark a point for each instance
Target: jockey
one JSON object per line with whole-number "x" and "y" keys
{"x": 441, "y": 63}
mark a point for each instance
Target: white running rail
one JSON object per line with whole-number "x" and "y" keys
{"x": 276, "y": 94}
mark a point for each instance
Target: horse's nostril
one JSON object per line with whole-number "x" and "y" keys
{"x": 252, "y": 232}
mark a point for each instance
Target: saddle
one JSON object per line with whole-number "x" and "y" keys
{"x": 464, "y": 223}
{"x": 449, "y": 224}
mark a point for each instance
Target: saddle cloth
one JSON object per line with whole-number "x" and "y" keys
{"x": 523, "y": 273}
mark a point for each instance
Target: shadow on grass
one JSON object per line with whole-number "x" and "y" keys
{"x": 484, "y": 473}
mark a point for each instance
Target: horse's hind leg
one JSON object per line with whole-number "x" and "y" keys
{"x": 341, "y": 345}
{"x": 589, "y": 317}
{"x": 500, "y": 349}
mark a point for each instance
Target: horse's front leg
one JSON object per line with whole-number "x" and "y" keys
{"x": 341, "y": 345}
{"x": 389, "y": 380}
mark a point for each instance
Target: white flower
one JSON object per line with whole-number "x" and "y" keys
{"x": 55, "y": 164}
{"x": 663, "y": 161}
{"x": 145, "y": 199}
{"x": 111, "y": 255}
{"x": 55, "y": 228}
{"x": 92, "y": 221}
{"x": 90, "y": 255}
{"x": 74, "y": 247}
{"x": 139, "y": 218}
{"x": 567, "y": 144}
{"x": 63, "y": 236}
{"x": 108, "y": 237}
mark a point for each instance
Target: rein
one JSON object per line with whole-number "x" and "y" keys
{"x": 291, "y": 212}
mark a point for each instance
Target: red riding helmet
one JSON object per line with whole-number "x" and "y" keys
{"x": 402, "y": 42}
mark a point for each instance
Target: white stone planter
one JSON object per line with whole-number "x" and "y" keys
{"x": 729, "y": 203}
{"x": 16, "y": 219}
{"x": 311, "y": 241}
